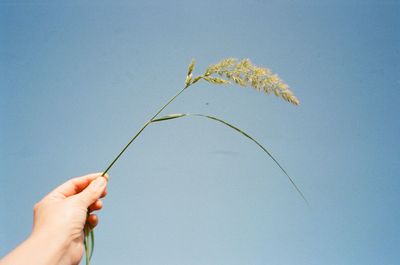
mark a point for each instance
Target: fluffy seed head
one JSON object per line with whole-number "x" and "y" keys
{"x": 245, "y": 74}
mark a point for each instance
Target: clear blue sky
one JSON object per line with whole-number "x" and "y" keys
{"x": 77, "y": 79}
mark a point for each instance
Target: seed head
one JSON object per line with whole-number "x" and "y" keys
{"x": 191, "y": 67}
{"x": 245, "y": 74}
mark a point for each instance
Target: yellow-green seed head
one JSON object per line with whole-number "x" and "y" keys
{"x": 245, "y": 74}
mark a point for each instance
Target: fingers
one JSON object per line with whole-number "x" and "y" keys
{"x": 104, "y": 193}
{"x": 97, "y": 205}
{"x": 92, "y": 192}
{"x": 92, "y": 220}
{"x": 75, "y": 185}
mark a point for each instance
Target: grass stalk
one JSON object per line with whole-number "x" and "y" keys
{"x": 242, "y": 73}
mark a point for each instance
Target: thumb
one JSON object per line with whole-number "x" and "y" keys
{"x": 92, "y": 192}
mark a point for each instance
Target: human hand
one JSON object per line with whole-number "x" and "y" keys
{"x": 64, "y": 213}
{"x": 59, "y": 221}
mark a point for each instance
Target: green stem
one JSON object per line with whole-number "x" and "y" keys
{"x": 86, "y": 243}
{"x": 142, "y": 129}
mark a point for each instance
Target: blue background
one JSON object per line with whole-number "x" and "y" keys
{"x": 77, "y": 79}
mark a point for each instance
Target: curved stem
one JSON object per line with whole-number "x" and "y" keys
{"x": 86, "y": 239}
{"x": 142, "y": 129}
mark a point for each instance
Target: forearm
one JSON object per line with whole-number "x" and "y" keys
{"x": 59, "y": 220}
{"x": 36, "y": 250}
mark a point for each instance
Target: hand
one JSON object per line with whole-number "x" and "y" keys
{"x": 59, "y": 220}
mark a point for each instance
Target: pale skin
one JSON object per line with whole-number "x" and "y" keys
{"x": 59, "y": 220}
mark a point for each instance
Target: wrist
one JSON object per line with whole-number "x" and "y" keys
{"x": 50, "y": 247}
{"x": 37, "y": 249}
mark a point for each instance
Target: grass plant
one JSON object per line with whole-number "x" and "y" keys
{"x": 226, "y": 71}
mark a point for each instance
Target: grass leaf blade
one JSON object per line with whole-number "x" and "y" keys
{"x": 91, "y": 234}
{"x": 181, "y": 115}
{"x": 170, "y": 117}
{"x": 86, "y": 243}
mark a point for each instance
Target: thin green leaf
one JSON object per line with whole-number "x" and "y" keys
{"x": 169, "y": 117}
{"x": 91, "y": 243}
{"x": 181, "y": 115}
{"x": 86, "y": 243}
